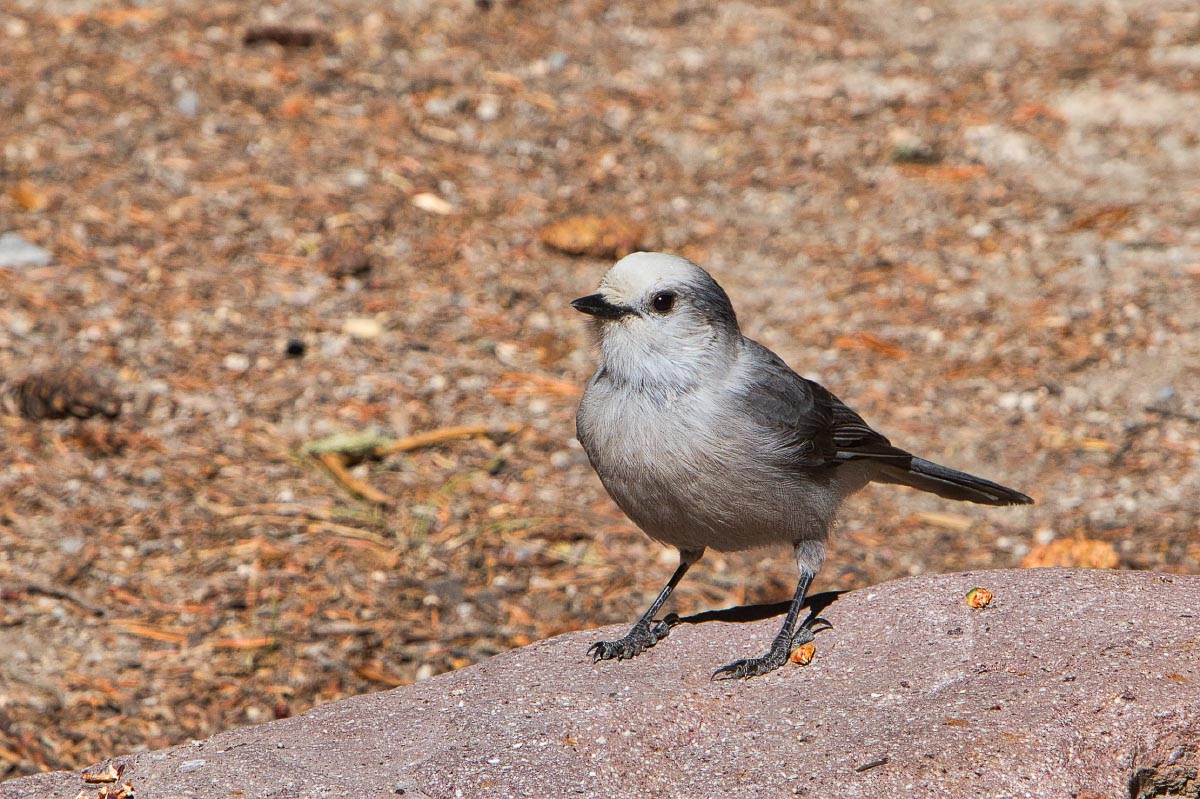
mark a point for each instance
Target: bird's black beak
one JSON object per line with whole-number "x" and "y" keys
{"x": 596, "y": 305}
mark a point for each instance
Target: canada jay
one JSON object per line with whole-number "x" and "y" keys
{"x": 707, "y": 439}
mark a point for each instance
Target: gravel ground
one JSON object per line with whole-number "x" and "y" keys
{"x": 976, "y": 223}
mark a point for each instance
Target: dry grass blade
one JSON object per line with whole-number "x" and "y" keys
{"x": 288, "y": 509}
{"x": 947, "y": 521}
{"x": 514, "y": 383}
{"x": 245, "y": 643}
{"x": 343, "y": 531}
{"x": 142, "y": 630}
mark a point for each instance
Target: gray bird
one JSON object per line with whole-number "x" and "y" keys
{"x": 706, "y": 438}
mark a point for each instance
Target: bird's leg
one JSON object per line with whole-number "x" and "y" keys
{"x": 646, "y": 632}
{"x": 789, "y": 637}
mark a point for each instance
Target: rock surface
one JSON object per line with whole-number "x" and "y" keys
{"x": 1071, "y": 684}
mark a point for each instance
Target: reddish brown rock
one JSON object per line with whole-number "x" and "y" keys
{"x": 1070, "y": 683}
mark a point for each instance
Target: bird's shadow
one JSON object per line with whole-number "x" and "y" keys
{"x": 815, "y": 603}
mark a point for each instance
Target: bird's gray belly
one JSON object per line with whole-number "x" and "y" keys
{"x": 690, "y": 482}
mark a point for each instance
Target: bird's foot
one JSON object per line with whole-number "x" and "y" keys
{"x": 775, "y": 657}
{"x": 643, "y": 636}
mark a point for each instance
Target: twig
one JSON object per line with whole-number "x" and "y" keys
{"x": 422, "y": 440}
{"x": 30, "y": 587}
{"x": 294, "y": 510}
{"x": 334, "y": 462}
{"x": 1173, "y": 414}
{"x": 336, "y": 451}
{"x": 534, "y": 383}
{"x": 870, "y": 764}
{"x": 345, "y": 531}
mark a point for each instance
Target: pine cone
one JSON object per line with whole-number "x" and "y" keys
{"x": 59, "y": 393}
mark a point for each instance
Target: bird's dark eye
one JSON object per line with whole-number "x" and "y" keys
{"x": 663, "y": 301}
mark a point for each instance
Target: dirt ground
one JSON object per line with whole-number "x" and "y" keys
{"x": 975, "y": 222}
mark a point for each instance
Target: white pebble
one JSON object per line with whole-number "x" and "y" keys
{"x": 188, "y": 103}
{"x": 979, "y": 230}
{"x": 488, "y": 109}
{"x": 362, "y": 327}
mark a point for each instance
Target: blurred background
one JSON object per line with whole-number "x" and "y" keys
{"x": 240, "y": 228}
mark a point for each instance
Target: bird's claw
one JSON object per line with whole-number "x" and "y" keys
{"x": 636, "y": 641}
{"x": 756, "y": 667}
{"x": 751, "y": 667}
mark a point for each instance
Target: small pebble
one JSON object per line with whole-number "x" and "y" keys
{"x": 16, "y": 251}
{"x": 72, "y": 545}
{"x": 362, "y": 327}
{"x": 908, "y": 148}
{"x": 188, "y": 103}
{"x": 979, "y": 230}
{"x": 295, "y": 348}
{"x": 356, "y": 178}
{"x": 440, "y": 106}
{"x": 488, "y": 109}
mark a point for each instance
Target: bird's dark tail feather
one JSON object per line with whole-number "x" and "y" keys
{"x": 950, "y": 483}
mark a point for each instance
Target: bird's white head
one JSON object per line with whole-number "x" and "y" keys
{"x": 662, "y": 321}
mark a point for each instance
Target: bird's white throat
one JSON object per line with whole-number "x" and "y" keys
{"x": 663, "y": 364}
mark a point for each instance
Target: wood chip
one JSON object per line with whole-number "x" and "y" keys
{"x": 595, "y": 236}
{"x": 1078, "y": 553}
{"x": 948, "y": 521}
{"x": 28, "y": 196}
{"x": 286, "y": 36}
{"x": 432, "y": 203}
{"x": 978, "y": 598}
{"x": 109, "y": 773}
{"x": 245, "y": 643}
{"x": 872, "y": 342}
{"x": 803, "y": 654}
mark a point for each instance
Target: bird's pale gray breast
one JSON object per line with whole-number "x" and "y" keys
{"x": 693, "y": 469}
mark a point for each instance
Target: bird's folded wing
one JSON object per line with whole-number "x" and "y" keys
{"x": 811, "y": 426}
{"x": 854, "y": 438}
